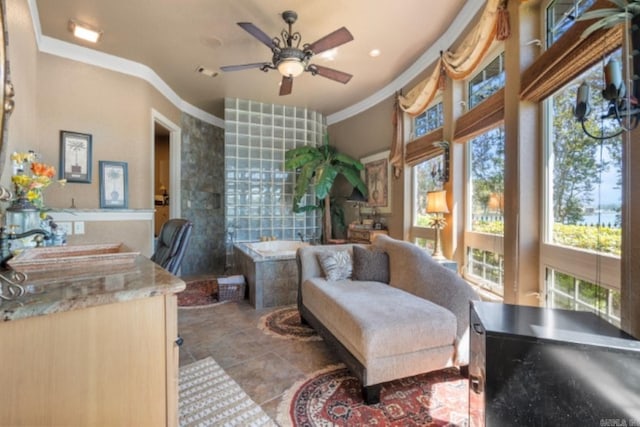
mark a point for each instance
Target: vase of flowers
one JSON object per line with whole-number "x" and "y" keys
{"x": 30, "y": 177}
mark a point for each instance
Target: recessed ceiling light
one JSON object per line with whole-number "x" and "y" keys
{"x": 84, "y": 31}
{"x": 374, "y": 52}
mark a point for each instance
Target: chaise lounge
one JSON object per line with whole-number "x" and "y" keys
{"x": 388, "y": 309}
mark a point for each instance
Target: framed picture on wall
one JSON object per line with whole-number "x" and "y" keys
{"x": 377, "y": 176}
{"x": 75, "y": 157}
{"x": 113, "y": 185}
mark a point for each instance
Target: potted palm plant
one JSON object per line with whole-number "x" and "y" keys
{"x": 318, "y": 168}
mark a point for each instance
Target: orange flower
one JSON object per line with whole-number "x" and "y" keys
{"x": 43, "y": 169}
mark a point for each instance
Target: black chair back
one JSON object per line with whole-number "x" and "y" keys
{"x": 172, "y": 244}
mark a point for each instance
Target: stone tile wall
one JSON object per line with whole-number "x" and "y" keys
{"x": 202, "y": 187}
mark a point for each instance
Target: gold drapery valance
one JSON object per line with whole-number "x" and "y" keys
{"x": 460, "y": 64}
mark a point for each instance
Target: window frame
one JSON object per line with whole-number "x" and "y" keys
{"x": 475, "y": 239}
{"x": 575, "y": 262}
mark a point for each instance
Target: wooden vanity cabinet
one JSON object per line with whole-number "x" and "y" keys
{"x": 112, "y": 364}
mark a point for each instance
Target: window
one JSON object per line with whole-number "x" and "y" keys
{"x": 582, "y": 206}
{"x": 561, "y": 15}
{"x": 486, "y": 82}
{"x": 432, "y": 118}
{"x": 486, "y": 153}
{"x": 586, "y": 174}
{"x": 426, "y": 177}
{"x": 486, "y": 269}
{"x": 571, "y": 293}
{"x": 485, "y": 209}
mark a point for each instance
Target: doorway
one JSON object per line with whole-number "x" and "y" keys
{"x": 165, "y": 147}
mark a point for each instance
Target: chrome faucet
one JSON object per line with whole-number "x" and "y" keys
{"x": 5, "y": 253}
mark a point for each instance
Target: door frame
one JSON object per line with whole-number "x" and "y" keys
{"x": 175, "y": 145}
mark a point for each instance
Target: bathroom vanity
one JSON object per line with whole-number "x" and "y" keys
{"x": 92, "y": 345}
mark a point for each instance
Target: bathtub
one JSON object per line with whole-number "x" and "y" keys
{"x": 276, "y": 248}
{"x": 270, "y": 271}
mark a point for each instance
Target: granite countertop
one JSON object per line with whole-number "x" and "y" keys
{"x": 59, "y": 290}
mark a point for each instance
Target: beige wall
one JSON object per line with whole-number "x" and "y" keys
{"x": 362, "y": 135}
{"x": 54, "y": 94}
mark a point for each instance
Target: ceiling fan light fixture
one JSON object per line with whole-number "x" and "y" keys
{"x": 290, "y": 67}
{"x": 84, "y": 31}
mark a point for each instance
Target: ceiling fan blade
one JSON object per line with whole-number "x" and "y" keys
{"x": 242, "y": 67}
{"x": 330, "y": 73}
{"x": 257, "y": 33}
{"x": 338, "y": 37}
{"x": 286, "y": 85}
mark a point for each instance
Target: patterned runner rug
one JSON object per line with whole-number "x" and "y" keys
{"x": 210, "y": 397}
{"x": 331, "y": 397}
{"x": 285, "y": 323}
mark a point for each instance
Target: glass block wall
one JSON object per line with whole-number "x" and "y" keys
{"x": 259, "y": 192}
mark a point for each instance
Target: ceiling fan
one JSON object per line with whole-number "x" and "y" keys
{"x": 291, "y": 60}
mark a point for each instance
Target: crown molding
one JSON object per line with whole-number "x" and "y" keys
{"x": 462, "y": 20}
{"x": 111, "y": 62}
{"x": 114, "y": 63}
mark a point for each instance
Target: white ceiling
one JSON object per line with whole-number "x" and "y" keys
{"x": 174, "y": 37}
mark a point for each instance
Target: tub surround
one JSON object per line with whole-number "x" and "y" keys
{"x": 92, "y": 346}
{"x": 271, "y": 274}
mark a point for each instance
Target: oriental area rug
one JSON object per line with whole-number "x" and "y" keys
{"x": 200, "y": 292}
{"x": 332, "y": 397}
{"x": 285, "y": 323}
{"x": 209, "y": 397}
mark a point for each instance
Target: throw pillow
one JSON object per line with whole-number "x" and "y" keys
{"x": 370, "y": 265}
{"x": 336, "y": 265}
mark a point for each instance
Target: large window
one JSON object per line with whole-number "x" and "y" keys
{"x": 586, "y": 174}
{"x": 582, "y": 233}
{"x": 486, "y": 82}
{"x": 485, "y": 201}
{"x": 486, "y": 153}
{"x": 426, "y": 177}
{"x": 561, "y": 15}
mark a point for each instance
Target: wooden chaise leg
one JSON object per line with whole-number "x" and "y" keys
{"x": 371, "y": 394}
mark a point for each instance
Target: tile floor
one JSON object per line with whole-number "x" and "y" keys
{"x": 264, "y": 366}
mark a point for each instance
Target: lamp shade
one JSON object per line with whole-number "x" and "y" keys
{"x": 437, "y": 202}
{"x": 290, "y": 67}
{"x": 356, "y": 196}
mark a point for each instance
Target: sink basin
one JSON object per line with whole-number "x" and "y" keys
{"x": 55, "y": 257}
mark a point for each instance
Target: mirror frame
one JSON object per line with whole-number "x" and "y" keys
{"x": 6, "y": 90}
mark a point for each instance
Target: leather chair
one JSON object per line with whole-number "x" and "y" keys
{"x": 172, "y": 244}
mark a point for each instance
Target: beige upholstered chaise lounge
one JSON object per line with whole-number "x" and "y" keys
{"x": 417, "y": 322}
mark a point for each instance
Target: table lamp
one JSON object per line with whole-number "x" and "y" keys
{"x": 437, "y": 205}
{"x": 358, "y": 198}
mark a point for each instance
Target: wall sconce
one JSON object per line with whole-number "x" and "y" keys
{"x": 440, "y": 175}
{"x": 437, "y": 204}
{"x": 615, "y": 92}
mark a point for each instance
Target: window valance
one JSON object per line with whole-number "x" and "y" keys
{"x": 458, "y": 65}
{"x": 486, "y": 115}
{"x": 568, "y": 57}
{"x": 424, "y": 148}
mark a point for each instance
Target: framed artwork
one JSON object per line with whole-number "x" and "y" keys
{"x": 75, "y": 157}
{"x": 113, "y": 185}
{"x": 377, "y": 176}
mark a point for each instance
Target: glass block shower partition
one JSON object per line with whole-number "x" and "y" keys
{"x": 258, "y": 191}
